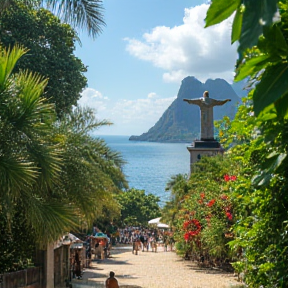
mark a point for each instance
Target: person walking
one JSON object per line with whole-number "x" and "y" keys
{"x": 111, "y": 281}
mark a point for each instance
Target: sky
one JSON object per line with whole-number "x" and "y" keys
{"x": 137, "y": 63}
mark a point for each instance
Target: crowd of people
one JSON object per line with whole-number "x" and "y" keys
{"x": 96, "y": 247}
{"x": 149, "y": 237}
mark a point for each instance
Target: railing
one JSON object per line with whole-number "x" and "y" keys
{"x": 23, "y": 278}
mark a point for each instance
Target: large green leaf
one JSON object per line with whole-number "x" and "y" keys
{"x": 220, "y": 10}
{"x": 257, "y": 14}
{"x": 273, "y": 163}
{"x": 237, "y": 25}
{"x": 282, "y": 107}
{"x": 273, "y": 85}
{"x": 273, "y": 42}
{"x": 251, "y": 66}
{"x": 268, "y": 113}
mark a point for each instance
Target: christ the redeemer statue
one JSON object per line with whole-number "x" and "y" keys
{"x": 206, "y": 105}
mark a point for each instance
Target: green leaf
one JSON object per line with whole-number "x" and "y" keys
{"x": 273, "y": 85}
{"x": 251, "y": 66}
{"x": 251, "y": 28}
{"x": 262, "y": 179}
{"x": 282, "y": 107}
{"x": 257, "y": 14}
{"x": 220, "y": 10}
{"x": 8, "y": 59}
{"x": 273, "y": 163}
{"x": 268, "y": 113}
{"x": 268, "y": 10}
{"x": 273, "y": 42}
{"x": 237, "y": 25}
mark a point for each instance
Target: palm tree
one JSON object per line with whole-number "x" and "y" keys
{"x": 178, "y": 187}
{"x": 92, "y": 172}
{"x": 30, "y": 160}
{"x": 55, "y": 171}
{"x": 83, "y": 14}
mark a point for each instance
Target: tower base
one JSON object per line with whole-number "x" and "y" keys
{"x": 199, "y": 149}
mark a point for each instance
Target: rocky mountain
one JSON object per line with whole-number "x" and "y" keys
{"x": 181, "y": 121}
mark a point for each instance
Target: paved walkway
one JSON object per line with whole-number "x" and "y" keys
{"x": 153, "y": 270}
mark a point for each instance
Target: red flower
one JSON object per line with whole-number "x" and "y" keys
{"x": 202, "y": 195}
{"x": 194, "y": 228}
{"x": 211, "y": 203}
{"x": 226, "y": 177}
{"x": 186, "y": 224}
{"x": 193, "y": 233}
{"x": 229, "y": 215}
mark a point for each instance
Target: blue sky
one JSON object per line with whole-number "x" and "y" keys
{"x": 136, "y": 65}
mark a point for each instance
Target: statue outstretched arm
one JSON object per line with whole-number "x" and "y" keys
{"x": 193, "y": 101}
{"x": 219, "y": 102}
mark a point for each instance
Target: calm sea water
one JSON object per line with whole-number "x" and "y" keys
{"x": 150, "y": 165}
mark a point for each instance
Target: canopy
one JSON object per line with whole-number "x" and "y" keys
{"x": 154, "y": 221}
{"x": 100, "y": 235}
{"x": 162, "y": 225}
{"x": 76, "y": 246}
{"x": 73, "y": 238}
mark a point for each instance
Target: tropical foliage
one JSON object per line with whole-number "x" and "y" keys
{"x": 255, "y": 186}
{"x": 137, "y": 208}
{"x": 53, "y": 173}
{"x": 81, "y": 14}
{"x": 54, "y": 176}
{"x": 51, "y": 46}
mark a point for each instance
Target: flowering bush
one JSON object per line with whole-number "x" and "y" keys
{"x": 204, "y": 218}
{"x": 193, "y": 228}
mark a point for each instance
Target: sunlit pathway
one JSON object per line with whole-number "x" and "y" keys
{"x": 154, "y": 270}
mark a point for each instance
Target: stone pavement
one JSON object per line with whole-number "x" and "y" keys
{"x": 153, "y": 270}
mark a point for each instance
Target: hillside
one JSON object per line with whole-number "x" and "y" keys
{"x": 181, "y": 121}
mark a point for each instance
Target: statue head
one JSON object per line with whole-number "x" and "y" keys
{"x": 206, "y": 94}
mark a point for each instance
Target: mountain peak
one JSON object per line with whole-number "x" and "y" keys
{"x": 181, "y": 121}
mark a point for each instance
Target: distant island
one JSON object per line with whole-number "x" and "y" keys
{"x": 181, "y": 122}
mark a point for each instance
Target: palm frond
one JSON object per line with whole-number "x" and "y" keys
{"x": 49, "y": 220}
{"x": 82, "y": 13}
{"x": 82, "y": 120}
{"x": 8, "y": 60}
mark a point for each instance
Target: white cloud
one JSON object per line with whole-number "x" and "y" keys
{"x": 130, "y": 116}
{"x": 189, "y": 49}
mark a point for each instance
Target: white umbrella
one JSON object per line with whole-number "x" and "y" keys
{"x": 154, "y": 221}
{"x": 162, "y": 225}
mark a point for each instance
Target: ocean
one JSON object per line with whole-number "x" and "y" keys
{"x": 150, "y": 165}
